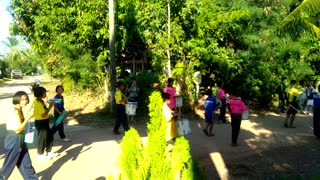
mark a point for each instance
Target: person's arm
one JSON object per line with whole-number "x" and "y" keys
{"x": 47, "y": 110}
{"x": 132, "y": 85}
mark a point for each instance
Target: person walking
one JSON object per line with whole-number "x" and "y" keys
{"x": 210, "y": 107}
{"x": 316, "y": 113}
{"x": 41, "y": 116}
{"x": 292, "y": 104}
{"x": 171, "y": 90}
{"x": 236, "y": 107}
{"x": 171, "y": 128}
{"x": 222, "y": 97}
{"x": 310, "y": 92}
{"x": 121, "y": 101}
{"x": 58, "y": 111}
{"x": 16, "y": 150}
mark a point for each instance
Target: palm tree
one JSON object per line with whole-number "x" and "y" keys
{"x": 14, "y": 45}
{"x": 303, "y": 18}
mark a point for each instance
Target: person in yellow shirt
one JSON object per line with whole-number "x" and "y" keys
{"x": 171, "y": 128}
{"x": 41, "y": 116}
{"x": 16, "y": 150}
{"x": 121, "y": 101}
{"x": 292, "y": 104}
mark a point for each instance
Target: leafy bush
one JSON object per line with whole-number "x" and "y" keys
{"x": 153, "y": 160}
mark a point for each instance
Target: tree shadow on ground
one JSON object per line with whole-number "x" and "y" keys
{"x": 267, "y": 150}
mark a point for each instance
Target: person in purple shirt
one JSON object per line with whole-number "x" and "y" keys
{"x": 210, "y": 107}
{"x": 58, "y": 111}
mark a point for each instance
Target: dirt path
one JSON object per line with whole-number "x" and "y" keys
{"x": 266, "y": 151}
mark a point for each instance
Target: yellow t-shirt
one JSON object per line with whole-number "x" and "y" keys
{"x": 118, "y": 96}
{"x": 39, "y": 109}
{"x": 292, "y": 94}
{"x": 14, "y": 122}
{"x": 171, "y": 129}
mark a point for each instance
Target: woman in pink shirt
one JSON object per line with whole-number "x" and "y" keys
{"x": 236, "y": 107}
{"x": 170, "y": 90}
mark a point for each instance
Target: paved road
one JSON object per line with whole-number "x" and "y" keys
{"x": 92, "y": 153}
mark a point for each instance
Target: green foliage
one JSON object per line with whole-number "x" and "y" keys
{"x": 153, "y": 160}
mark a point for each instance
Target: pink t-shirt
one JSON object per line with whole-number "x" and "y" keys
{"x": 172, "y": 92}
{"x": 221, "y": 94}
{"x": 237, "y": 106}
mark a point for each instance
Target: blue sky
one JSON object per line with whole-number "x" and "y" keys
{"x": 5, "y": 19}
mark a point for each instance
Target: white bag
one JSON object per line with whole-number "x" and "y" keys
{"x": 29, "y": 136}
{"x": 245, "y": 114}
{"x": 131, "y": 108}
{"x": 183, "y": 127}
{"x": 179, "y": 101}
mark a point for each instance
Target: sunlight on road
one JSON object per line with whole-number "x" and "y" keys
{"x": 220, "y": 165}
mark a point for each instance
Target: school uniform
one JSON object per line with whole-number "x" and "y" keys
{"x": 237, "y": 107}
{"x": 45, "y": 137}
{"x": 59, "y": 127}
{"x": 121, "y": 112}
{"x": 210, "y": 105}
{"x": 16, "y": 151}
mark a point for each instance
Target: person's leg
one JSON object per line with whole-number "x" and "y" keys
{"x": 124, "y": 118}
{"x": 281, "y": 106}
{"x": 286, "y": 119}
{"x": 233, "y": 129}
{"x": 49, "y": 139}
{"x": 118, "y": 120}
{"x": 222, "y": 116}
{"x": 316, "y": 121}
{"x": 25, "y": 166}
{"x": 291, "y": 121}
{"x": 211, "y": 129}
{"x": 42, "y": 136}
{"x": 237, "y": 127}
{"x": 61, "y": 130}
{"x": 12, "y": 150}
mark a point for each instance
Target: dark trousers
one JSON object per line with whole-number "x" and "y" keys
{"x": 45, "y": 137}
{"x": 121, "y": 118}
{"x": 223, "y": 109}
{"x": 16, "y": 154}
{"x": 281, "y": 106}
{"x": 59, "y": 127}
{"x": 316, "y": 121}
{"x": 235, "y": 126}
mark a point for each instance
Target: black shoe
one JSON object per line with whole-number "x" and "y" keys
{"x": 285, "y": 125}
{"x": 205, "y": 131}
{"x": 116, "y": 132}
{"x": 211, "y": 134}
{"x": 234, "y": 144}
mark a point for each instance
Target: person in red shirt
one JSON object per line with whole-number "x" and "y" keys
{"x": 170, "y": 90}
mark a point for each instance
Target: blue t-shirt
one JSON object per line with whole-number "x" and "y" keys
{"x": 210, "y": 105}
{"x": 60, "y": 106}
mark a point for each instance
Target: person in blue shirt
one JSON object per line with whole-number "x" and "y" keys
{"x": 210, "y": 107}
{"x": 58, "y": 111}
{"x": 316, "y": 113}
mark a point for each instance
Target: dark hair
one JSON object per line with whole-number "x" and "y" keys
{"x": 219, "y": 83}
{"x": 170, "y": 80}
{"x": 165, "y": 96}
{"x": 120, "y": 84}
{"x": 209, "y": 92}
{"x": 39, "y": 91}
{"x": 17, "y": 97}
{"x": 133, "y": 78}
{"x": 59, "y": 86}
{"x": 292, "y": 82}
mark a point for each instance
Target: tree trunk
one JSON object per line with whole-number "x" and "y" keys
{"x": 112, "y": 41}
{"x": 168, "y": 50}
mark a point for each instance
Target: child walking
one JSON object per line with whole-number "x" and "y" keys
{"x": 171, "y": 129}
{"x": 16, "y": 150}
{"x": 210, "y": 107}
{"x": 58, "y": 111}
{"x": 121, "y": 101}
{"x": 222, "y": 97}
{"x": 41, "y": 116}
{"x": 236, "y": 107}
{"x": 292, "y": 95}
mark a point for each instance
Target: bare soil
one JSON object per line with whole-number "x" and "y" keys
{"x": 267, "y": 150}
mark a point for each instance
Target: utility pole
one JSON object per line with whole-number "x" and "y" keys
{"x": 112, "y": 41}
